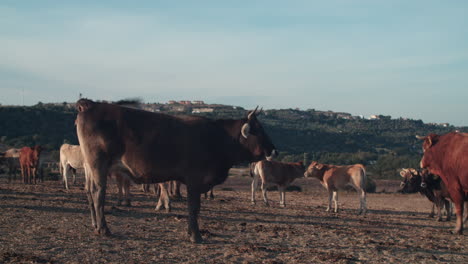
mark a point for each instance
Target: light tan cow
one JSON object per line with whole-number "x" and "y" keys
{"x": 275, "y": 173}
{"x": 335, "y": 178}
{"x": 11, "y": 160}
{"x": 71, "y": 159}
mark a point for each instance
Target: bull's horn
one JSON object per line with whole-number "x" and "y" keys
{"x": 420, "y": 137}
{"x": 251, "y": 113}
{"x": 245, "y": 130}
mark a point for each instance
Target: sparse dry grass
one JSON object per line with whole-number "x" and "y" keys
{"x": 44, "y": 223}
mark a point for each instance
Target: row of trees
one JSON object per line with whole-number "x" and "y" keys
{"x": 384, "y": 145}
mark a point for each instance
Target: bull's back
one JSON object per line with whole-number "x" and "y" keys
{"x": 149, "y": 143}
{"x": 452, "y": 156}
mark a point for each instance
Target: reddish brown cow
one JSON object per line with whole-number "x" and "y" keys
{"x": 29, "y": 163}
{"x": 447, "y": 156}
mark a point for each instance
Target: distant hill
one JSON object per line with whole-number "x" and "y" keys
{"x": 383, "y": 144}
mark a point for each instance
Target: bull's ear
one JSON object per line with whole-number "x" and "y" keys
{"x": 319, "y": 166}
{"x": 431, "y": 139}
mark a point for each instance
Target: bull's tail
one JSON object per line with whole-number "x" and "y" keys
{"x": 363, "y": 178}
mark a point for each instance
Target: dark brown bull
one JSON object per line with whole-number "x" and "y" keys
{"x": 157, "y": 147}
{"x": 447, "y": 156}
{"x": 428, "y": 185}
{"x": 29, "y": 163}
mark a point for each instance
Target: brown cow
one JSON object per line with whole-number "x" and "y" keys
{"x": 156, "y": 147}
{"x": 29, "y": 163}
{"x": 335, "y": 178}
{"x": 428, "y": 185}
{"x": 275, "y": 173}
{"x": 447, "y": 156}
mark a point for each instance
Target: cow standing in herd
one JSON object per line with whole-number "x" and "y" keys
{"x": 29, "y": 163}
{"x": 335, "y": 178}
{"x": 157, "y": 147}
{"x": 447, "y": 156}
{"x": 430, "y": 186}
{"x": 70, "y": 160}
{"x": 11, "y": 160}
{"x": 275, "y": 173}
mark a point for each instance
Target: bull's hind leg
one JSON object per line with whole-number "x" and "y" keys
{"x": 98, "y": 185}
{"x": 88, "y": 187}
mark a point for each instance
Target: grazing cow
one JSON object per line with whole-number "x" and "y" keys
{"x": 428, "y": 185}
{"x": 29, "y": 163}
{"x": 11, "y": 160}
{"x": 447, "y": 156}
{"x": 275, "y": 173}
{"x": 157, "y": 147}
{"x": 335, "y": 178}
{"x": 71, "y": 159}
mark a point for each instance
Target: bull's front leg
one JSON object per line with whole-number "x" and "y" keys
{"x": 193, "y": 200}
{"x": 254, "y": 188}
{"x": 335, "y": 200}
{"x": 459, "y": 212}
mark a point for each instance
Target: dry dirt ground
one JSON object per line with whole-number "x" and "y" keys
{"x": 46, "y": 224}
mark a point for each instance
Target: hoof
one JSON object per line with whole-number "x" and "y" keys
{"x": 282, "y": 205}
{"x": 102, "y": 232}
{"x": 158, "y": 208}
{"x": 196, "y": 239}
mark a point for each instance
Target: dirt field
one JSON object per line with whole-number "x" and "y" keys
{"x": 44, "y": 223}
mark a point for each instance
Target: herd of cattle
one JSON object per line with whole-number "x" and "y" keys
{"x": 160, "y": 150}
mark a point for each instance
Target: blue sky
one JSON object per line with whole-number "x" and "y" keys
{"x": 398, "y": 58}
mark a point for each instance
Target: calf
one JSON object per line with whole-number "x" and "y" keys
{"x": 429, "y": 185}
{"x": 29, "y": 162}
{"x": 71, "y": 159}
{"x": 335, "y": 178}
{"x": 275, "y": 173}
